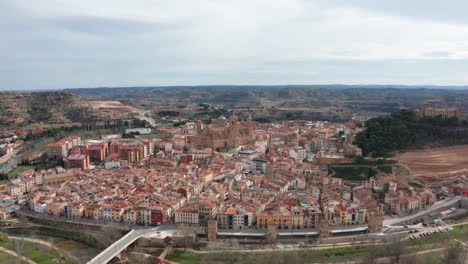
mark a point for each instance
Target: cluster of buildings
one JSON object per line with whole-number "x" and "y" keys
{"x": 7, "y": 149}
{"x": 401, "y": 200}
{"x": 428, "y": 111}
{"x": 79, "y": 154}
{"x": 236, "y": 174}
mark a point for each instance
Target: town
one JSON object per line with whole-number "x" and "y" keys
{"x": 229, "y": 175}
{"x": 229, "y": 178}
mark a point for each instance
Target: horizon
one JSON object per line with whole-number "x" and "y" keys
{"x": 305, "y": 86}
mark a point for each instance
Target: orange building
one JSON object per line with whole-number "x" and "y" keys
{"x": 61, "y": 147}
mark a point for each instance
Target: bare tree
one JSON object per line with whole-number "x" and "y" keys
{"x": 371, "y": 256}
{"x": 409, "y": 259}
{"x": 111, "y": 232}
{"x": 186, "y": 236}
{"x": 18, "y": 246}
{"x": 395, "y": 248}
{"x": 138, "y": 258}
{"x": 455, "y": 252}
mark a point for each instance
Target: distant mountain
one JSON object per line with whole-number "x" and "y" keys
{"x": 229, "y": 93}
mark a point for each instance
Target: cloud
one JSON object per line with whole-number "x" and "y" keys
{"x": 85, "y": 43}
{"x": 438, "y": 54}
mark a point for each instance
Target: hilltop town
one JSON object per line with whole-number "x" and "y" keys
{"x": 233, "y": 178}
{"x": 259, "y": 173}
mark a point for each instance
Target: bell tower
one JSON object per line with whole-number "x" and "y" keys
{"x": 233, "y": 131}
{"x": 199, "y": 127}
{"x": 249, "y": 123}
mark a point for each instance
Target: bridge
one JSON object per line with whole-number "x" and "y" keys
{"x": 125, "y": 241}
{"x": 438, "y": 206}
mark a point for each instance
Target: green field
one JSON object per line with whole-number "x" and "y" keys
{"x": 385, "y": 169}
{"x": 324, "y": 255}
{"x": 415, "y": 184}
{"x": 432, "y": 258}
{"x": 438, "y": 239}
{"x": 14, "y": 172}
{"x": 7, "y": 258}
{"x": 38, "y": 253}
{"x": 353, "y": 173}
{"x": 362, "y": 161}
{"x": 79, "y": 250}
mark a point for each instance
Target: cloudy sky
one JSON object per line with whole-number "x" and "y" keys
{"x": 52, "y": 44}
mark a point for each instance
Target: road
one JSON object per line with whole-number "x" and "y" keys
{"x": 435, "y": 207}
{"x": 142, "y": 115}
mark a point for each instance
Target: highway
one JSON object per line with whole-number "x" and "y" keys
{"x": 437, "y": 206}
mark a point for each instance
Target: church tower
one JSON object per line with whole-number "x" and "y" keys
{"x": 249, "y": 123}
{"x": 199, "y": 127}
{"x": 233, "y": 131}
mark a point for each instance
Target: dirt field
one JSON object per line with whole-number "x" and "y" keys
{"x": 440, "y": 161}
{"x": 109, "y": 105}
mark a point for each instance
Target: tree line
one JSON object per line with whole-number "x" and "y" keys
{"x": 404, "y": 130}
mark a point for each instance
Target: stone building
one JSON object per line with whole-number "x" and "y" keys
{"x": 375, "y": 221}
{"x": 426, "y": 110}
{"x": 223, "y": 134}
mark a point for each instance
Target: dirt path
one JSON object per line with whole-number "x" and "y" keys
{"x": 45, "y": 243}
{"x": 389, "y": 259}
{"x": 16, "y": 255}
{"x": 319, "y": 247}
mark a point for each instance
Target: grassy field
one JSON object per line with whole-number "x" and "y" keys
{"x": 7, "y": 258}
{"x": 437, "y": 240}
{"x": 38, "y": 253}
{"x": 370, "y": 162}
{"x": 415, "y": 184}
{"x": 79, "y": 250}
{"x": 385, "y": 169}
{"x": 432, "y": 258}
{"x": 324, "y": 255}
{"x": 18, "y": 170}
{"x": 353, "y": 173}
{"x": 67, "y": 234}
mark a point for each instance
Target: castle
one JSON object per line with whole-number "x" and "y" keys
{"x": 223, "y": 134}
{"x": 426, "y": 110}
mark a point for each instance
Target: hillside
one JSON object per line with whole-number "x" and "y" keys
{"x": 403, "y": 130}
{"x": 313, "y": 102}
{"x": 24, "y": 109}
{"x": 229, "y": 93}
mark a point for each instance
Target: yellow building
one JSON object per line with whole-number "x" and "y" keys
{"x": 281, "y": 216}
